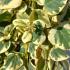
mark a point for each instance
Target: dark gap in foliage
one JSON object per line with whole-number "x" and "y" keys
{"x": 11, "y": 48}
{"x": 38, "y": 6}
{"x": 67, "y": 16}
{"x": 28, "y": 11}
{"x": 33, "y": 61}
{"x": 2, "y": 56}
{"x": 59, "y": 28}
{"x": 4, "y": 23}
{"x": 39, "y": 28}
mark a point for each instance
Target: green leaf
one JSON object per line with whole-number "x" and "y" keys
{"x": 54, "y": 6}
{"x": 8, "y": 29}
{"x": 58, "y": 54}
{"x": 3, "y": 38}
{"x": 4, "y": 46}
{"x": 22, "y": 49}
{"x": 42, "y": 18}
{"x": 8, "y": 4}
{"x": 35, "y": 36}
{"x": 60, "y": 37}
{"x": 40, "y": 39}
{"x": 12, "y": 62}
{"x": 32, "y": 50}
{"x": 6, "y": 16}
{"x": 41, "y": 22}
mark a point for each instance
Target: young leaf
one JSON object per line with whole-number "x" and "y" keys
{"x": 26, "y": 37}
{"x": 20, "y": 22}
{"x": 8, "y": 29}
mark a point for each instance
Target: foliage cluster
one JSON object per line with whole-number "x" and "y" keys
{"x": 34, "y": 34}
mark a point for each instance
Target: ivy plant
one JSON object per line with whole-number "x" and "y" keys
{"x": 34, "y": 34}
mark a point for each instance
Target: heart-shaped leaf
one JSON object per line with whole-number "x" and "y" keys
{"x": 12, "y": 62}
{"x": 58, "y": 54}
{"x": 60, "y": 37}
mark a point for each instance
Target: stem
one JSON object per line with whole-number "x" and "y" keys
{"x": 33, "y": 4}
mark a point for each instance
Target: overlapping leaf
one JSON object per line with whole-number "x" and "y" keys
{"x": 4, "y": 46}
{"x": 41, "y": 17}
{"x": 8, "y": 4}
{"x": 65, "y": 65}
{"x": 21, "y": 14}
{"x": 57, "y": 54}
{"x": 40, "y": 2}
{"x": 54, "y": 6}
{"x": 27, "y": 36}
{"x": 40, "y": 39}
{"x": 32, "y": 50}
{"x": 20, "y": 22}
{"x": 12, "y": 62}
{"x": 60, "y": 37}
